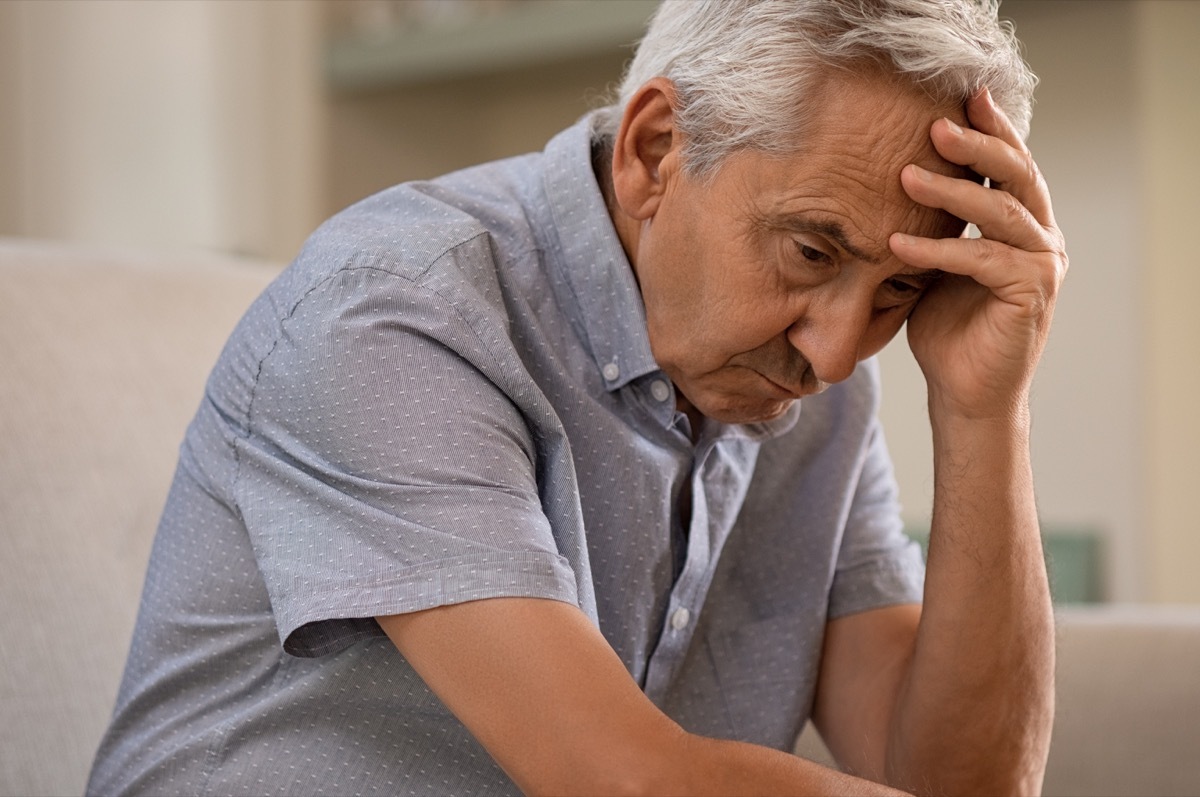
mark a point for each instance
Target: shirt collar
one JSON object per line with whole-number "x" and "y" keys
{"x": 592, "y": 262}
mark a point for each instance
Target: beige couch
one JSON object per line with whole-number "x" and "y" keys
{"x": 103, "y": 356}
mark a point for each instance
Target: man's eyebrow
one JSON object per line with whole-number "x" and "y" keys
{"x": 833, "y": 231}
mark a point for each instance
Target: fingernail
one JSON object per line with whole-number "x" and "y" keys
{"x": 903, "y": 239}
{"x": 953, "y": 128}
{"x": 920, "y": 173}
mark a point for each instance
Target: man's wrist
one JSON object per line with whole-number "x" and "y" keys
{"x": 1010, "y": 418}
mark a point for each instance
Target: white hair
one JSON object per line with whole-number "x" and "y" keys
{"x": 743, "y": 69}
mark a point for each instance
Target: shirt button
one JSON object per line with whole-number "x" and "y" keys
{"x": 659, "y": 390}
{"x": 680, "y": 618}
{"x": 611, "y": 372}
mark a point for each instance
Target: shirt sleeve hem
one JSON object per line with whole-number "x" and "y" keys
{"x": 336, "y": 617}
{"x": 877, "y": 585}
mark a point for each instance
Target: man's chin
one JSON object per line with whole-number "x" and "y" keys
{"x": 745, "y": 411}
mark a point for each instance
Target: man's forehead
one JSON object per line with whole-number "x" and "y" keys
{"x": 885, "y": 118}
{"x": 844, "y": 180}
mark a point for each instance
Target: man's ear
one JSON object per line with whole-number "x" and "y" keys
{"x": 646, "y": 149}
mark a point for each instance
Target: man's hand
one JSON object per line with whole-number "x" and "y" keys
{"x": 979, "y": 333}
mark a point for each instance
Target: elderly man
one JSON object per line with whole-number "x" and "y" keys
{"x": 563, "y": 475}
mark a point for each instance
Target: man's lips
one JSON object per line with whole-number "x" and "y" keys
{"x": 805, "y": 384}
{"x": 785, "y": 391}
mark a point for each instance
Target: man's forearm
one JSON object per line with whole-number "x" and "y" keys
{"x": 975, "y": 711}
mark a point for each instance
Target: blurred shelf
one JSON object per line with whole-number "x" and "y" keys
{"x": 525, "y": 34}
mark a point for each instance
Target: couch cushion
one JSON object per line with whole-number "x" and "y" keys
{"x": 103, "y": 356}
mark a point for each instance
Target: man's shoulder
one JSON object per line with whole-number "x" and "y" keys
{"x": 449, "y": 236}
{"x": 409, "y": 227}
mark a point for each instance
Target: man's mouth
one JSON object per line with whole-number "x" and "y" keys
{"x": 804, "y": 387}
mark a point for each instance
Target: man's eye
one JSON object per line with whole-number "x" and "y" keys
{"x": 815, "y": 255}
{"x": 902, "y": 288}
{"x": 898, "y": 293}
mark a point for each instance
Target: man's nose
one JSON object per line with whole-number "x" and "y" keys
{"x": 831, "y": 341}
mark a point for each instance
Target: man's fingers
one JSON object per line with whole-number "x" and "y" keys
{"x": 994, "y": 150}
{"x": 998, "y": 214}
{"x": 986, "y": 117}
{"x": 1009, "y": 272}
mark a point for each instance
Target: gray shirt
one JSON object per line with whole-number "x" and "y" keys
{"x": 450, "y": 395}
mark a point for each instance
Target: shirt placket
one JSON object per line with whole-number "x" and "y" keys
{"x": 714, "y": 484}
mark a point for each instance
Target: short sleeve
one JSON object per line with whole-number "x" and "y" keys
{"x": 382, "y": 472}
{"x": 877, "y": 564}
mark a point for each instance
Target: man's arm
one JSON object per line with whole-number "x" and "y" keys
{"x": 540, "y": 688}
{"x": 984, "y": 660}
{"x": 957, "y": 698}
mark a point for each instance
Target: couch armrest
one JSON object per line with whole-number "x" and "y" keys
{"x": 1127, "y": 720}
{"x": 1128, "y": 702}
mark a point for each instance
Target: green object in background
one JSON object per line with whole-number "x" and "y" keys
{"x": 1072, "y": 560}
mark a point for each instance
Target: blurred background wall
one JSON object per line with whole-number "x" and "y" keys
{"x": 239, "y": 126}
